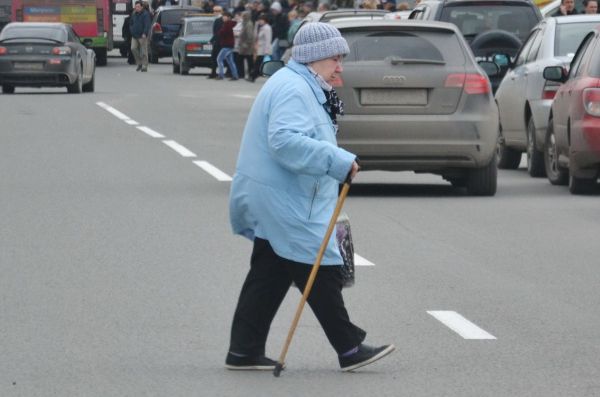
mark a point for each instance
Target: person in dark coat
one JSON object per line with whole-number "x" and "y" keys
{"x": 226, "y": 42}
{"x": 139, "y": 26}
{"x": 214, "y": 40}
{"x": 567, "y": 7}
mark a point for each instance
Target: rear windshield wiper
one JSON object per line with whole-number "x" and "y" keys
{"x": 397, "y": 60}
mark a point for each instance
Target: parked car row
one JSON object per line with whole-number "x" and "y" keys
{"x": 526, "y": 100}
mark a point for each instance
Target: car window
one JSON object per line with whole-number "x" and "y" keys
{"x": 48, "y": 32}
{"x": 418, "y": 45}
{"x": 199, "y": 27}
{"x": 585, "y": 59}
{"x": 576, "y": 62}
{"x": 472, "y": 20}
{"x": 569, "y": 36}
{"x": 421, "y": 12}
{"x": 524, "y": 52}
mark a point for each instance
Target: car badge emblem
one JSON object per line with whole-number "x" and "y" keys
{"x": 394, "y": 79}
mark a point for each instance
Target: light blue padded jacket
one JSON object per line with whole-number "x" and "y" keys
{"x": 286, "y": 182}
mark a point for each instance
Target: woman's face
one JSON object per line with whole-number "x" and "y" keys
{"x": 329, "y": 68}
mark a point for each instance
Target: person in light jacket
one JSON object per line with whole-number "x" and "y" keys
{"x": 283, "y": 196}
{"x": 262, "y": 43}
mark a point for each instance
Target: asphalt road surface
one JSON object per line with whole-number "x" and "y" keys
{"x": 119, "y": 273}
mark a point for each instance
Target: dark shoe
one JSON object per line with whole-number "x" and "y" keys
{"x": 211, "y": 76}
{"x": 233, "y": 79}
{"x": 365, "y": 355}
{"x": 144, "y": 69}
{"x": 250, "y": 79}
{"x": 218, "y": 78}
{"x": 260, "y": 363}
{"x": 139, "y": 67}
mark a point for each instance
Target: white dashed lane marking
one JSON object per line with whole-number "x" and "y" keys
{"x": 182, "y": 150}
{"x": 460, "y": 325}
{"x": 214, "y": 171}
{"x": 150, "y": 132}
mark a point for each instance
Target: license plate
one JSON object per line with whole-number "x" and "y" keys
{"x": 28, "y": 66}
{"x": 393, "y": 96}
{"x": 207, "y": 47}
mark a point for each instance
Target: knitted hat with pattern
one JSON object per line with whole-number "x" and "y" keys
{"x": 317, "y": 40}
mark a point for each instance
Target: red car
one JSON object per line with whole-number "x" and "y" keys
{"x": 572, "y": 145}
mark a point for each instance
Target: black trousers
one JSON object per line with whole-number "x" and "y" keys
{"x": 213, "y": 58}
{"x": 265, "y": 287}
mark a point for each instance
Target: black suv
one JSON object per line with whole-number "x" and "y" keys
{"x": 494, "y": 29}
{"x": 165, "y": 28}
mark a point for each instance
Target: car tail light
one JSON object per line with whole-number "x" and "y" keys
{"x": 591, "y": 101}
{"x": 61, "y": 51}
{"x": 156, "y": 28}
{"x": 471, "y": 83}
{"x": 549, "y": 89}
{"x": 193, "y": 47}
{"x": 3, "y": 50}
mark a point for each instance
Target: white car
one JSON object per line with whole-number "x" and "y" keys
{"x": 524, "y": 97}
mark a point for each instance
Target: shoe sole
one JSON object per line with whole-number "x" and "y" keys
{"x": 376, "y": 357}
{"x": 250, "y": 367}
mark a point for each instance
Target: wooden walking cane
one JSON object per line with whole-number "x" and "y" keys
{"x": 312, "y": 276}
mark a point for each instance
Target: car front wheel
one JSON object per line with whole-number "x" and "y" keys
{"x": 535, "y": 158}
{"x": 508, "y": 158}
{"x": 557, "y": 175}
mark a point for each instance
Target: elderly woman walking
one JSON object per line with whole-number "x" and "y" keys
{"x": 282, "y": 197}
{"x": 262, "y": 44}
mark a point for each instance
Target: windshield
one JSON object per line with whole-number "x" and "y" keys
{"x": 199, "y": 27}
{"x": 569, "y": 36}
{"x": 472, "y": 20}
{"x": 43, "y": 32}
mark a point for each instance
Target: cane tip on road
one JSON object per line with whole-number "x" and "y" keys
{"x": 277, "y": 370}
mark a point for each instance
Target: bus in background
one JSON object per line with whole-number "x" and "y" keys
{"x": 120, "y": 9}
{"x": 91, "y": 19}
{"x": 5, "y": 13}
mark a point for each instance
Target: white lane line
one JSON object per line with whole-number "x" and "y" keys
{"x": 214, "y": 171}
{"x": 460, "y": 325}
{"x": 150, "y": 132}
{"x": 242, "y": 96}
{"x": 131, "y": 122}
{"x": 182, "y": 150}
{"x": 360, "y": 261}
{"x": 113, "y": 111}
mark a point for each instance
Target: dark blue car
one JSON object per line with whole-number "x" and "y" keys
{"x": 165, "y": 28}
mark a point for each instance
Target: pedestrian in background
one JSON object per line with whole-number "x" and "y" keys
{"x": 262, "y": 44}
{"x": 283, "y": 196}
{"x": 246, "y": 45}
{"x": 567, "y": 7}
{"x": 226, "y": 42}
{"x": 214, "y": 40}
{"x": 591, "y": 6}
{"x": 139, "y": 26}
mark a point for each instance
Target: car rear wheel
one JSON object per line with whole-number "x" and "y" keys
{"x": 77, "y": 86}
{"x": 535, "y": 158}
{"x": 483, "y": 181}
{"x": 557, "y": 175}
{"x": 8, "y": 89}
{"x": 183, "y": 67}
{"x": 582, "y": 185}
{"x": 508, "y": 158}
{"x": 89, "y": 86}
{"x": 175, "y": 68}
{"x": 152, "y": 56}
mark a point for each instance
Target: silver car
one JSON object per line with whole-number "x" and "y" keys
{"x": 524, "y": 97}
{"x": 415, "y": 99}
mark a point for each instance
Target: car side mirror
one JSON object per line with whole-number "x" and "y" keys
{"x": 502, "y": 60}
{"x": 270, "y": 67}
{"x": 555, "y": 73}
{"x": 490, "y": 68}
{"x": 87, "y": 42}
